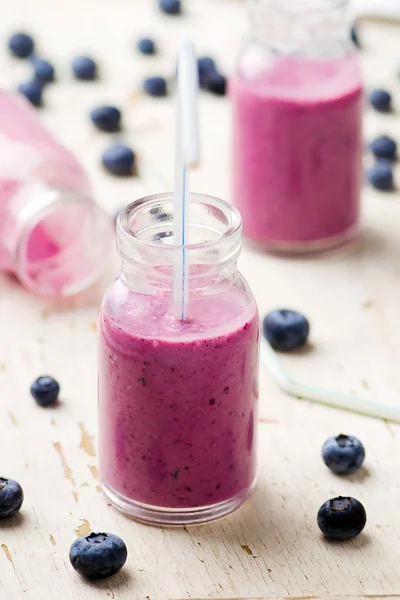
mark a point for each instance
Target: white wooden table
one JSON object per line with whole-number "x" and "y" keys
{"x": 272, "y": 547}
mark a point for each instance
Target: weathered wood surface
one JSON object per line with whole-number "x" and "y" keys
{"x": 272, "y": 547}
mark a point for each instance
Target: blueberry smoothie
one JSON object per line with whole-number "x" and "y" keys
{"x": 178, "y": 400}
{"x": 297, "y": 151}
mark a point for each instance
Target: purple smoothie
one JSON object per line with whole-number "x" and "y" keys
{"x": 178, "y": 401}
{"x": 297, "y": 150}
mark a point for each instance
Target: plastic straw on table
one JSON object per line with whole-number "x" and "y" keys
{"x": 187, "y": 156}
{"x": 328, "y": 397}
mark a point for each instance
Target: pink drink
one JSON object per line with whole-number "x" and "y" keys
{"x": 297, "y": 152}
{"x": 52, "y": 235}
{"x": 178, "y": 401}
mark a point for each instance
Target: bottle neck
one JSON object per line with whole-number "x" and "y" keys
{"x": 60, "y": 241}
{"x": 151, "y": 260}
{"x": 312, "y": 27}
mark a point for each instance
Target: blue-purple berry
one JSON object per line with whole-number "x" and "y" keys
{"x": 381, "y": 100}
{"x": 98, "y": 555}
{"x": 11, "y": 497}
{"x": 119, "y": 160}
{"x": 84, "y": 68}
{"x": 380, "y": 176}
{"x": 384, "y": 147}
{"x": 21, "y": 45}
{"x": 146, "y": 46}
{"x": 343, "y": 454}
{"x": 43, "y": 71}
{"x": 286, "y": 329}
{"x": 155, "y": 86}
{"x": 45, "y": 390}
{"x": 341, "y": 518}
{"x": 170, "y": 7}
{"x": 106, "y": 118}
{"x": 33, "y": 91}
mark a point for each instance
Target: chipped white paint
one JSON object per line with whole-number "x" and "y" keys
{"x": 272, "y": 547}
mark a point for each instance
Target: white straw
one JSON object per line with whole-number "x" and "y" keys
{"x": 328, "y": 397}
{"x": 187, "y": 155}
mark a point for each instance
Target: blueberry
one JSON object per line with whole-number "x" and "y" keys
{"x": 380, "y": 176}
{"x": 21, "y": 45}
{"x": 354, "y": 36}
{"x": 155, "y": 86}
{"x": 43, "y": 71}
{"x": 32, "y": 90}
{"x": 98, "y": 555}
{"x": 343, "y": 454}
{"x": 341, "y": 518}
{"x": 146, "y": 46}
{"x": 45, "y": 390}
{"x": 106, "y": 118}
{"x": 384, "y": 147}
{"x": 205, "y": 65}
{"x": 11, "y": 497}
{"x": 381, "y": 100}
{"x": 285, "y": 329}
{"x": 170, "y": 7}
{"x": 215, "y": 82}
{"x": 119, "y": 159}
{"x": 84, "y": 68}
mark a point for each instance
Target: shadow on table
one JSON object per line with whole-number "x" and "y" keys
{"x": 121, "y": 581}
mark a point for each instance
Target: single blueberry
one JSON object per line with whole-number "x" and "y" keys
{"x": 84, "y": 67}
{"x": 286, "y": 329}
{"x": 341, "y": 518}
{"x": 170, "y": 7}
{"x": 384, "y": 147}
{"x": 11, "y": 497}
{"x": 354, "y": 36}
{"x": 155, "y": 86}
{"x": 380, "y": 176}
{"x": 21, "y": 45}
{"x": 205, "y": 65}
{"x": 45, "y": 390}
{"x": 43, "y": 71}
{"x": 119, "y": 159}
{"x": 381, "y": 100}
{"x": 146, "y": 46}
{"x": 98, "y": 555}
{"x": 106, "y": 118}
{"x": 215, "y": 82}
{"x": 32, "y": 90}
{"x": 343, "y": 454}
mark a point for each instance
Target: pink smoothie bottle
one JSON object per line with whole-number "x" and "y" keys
{"x": 178, "y": 399}
{"x": 53, "y": 236}
{"x": 297, "y": 127}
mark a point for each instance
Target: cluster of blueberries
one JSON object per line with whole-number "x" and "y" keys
{"x": 118, "y": 159}
{"x": 338, "y": 518}
{"x": 384, "y": 148}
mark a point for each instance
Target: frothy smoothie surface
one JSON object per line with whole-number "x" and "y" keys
{"x": 297, "y": 149}
{"x": 177, "y": 401}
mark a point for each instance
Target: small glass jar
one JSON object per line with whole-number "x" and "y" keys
{"x": 178, "y": 399}
{"x": 53, "y": 236}
{"x": 297, "y": 127}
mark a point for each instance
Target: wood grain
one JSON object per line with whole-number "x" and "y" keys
{"x": 271, "y": 548}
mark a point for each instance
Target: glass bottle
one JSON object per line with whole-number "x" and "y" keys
{"x": 53, "y": 236}
{"x": 297, "y": 125}
{"x": 178, "y": 399}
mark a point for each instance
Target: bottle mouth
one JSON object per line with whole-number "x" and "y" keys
{"x": 64, "y": 245}
{"x": 149, "y": 223}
